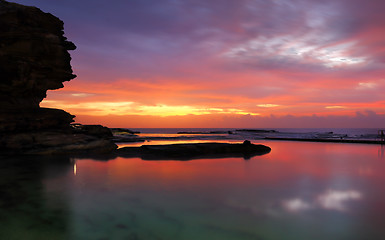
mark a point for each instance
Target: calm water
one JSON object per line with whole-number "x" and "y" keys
{"x": 231, "y": 134}
{"x": 298, "y": 191}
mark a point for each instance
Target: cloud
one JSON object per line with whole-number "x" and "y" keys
{"x": 268, "y": 105}
{"x": 288, "y": 58}
{"x": 335, "y": 107}
{"x": 295, "y": 35}
{"x": 366, "y": 85}
{"x": 228, "y": 119}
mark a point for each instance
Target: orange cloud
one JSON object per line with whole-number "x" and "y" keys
{"x": 362, "y": 119}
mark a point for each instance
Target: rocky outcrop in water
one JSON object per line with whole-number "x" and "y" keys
{"x": 191, "y": 151}
{"x": 34, "y": 58}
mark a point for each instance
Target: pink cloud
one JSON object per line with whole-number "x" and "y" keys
{"x": 304, "y": 57}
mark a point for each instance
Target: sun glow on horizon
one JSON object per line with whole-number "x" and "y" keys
{"x": 132, "y": 108}
{"x": 249, "y": 63}
{"x": 335, "y": 107}
{"x": 269, "y": 105}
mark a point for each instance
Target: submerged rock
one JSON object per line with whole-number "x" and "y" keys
{"x": 190, "y": 151}
{"x": 34, "y": 58}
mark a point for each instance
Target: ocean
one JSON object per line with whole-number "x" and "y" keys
{"x": 349, "y": 131}
{"x": 300, "y": 190}
{"x": 185, "y": 135}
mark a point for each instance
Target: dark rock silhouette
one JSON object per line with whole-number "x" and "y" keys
{"x": 34, "y": 58}
{"x": 34, "y": 55}
{"x": 194, "y": 151}
{"x": 256, "y": 130}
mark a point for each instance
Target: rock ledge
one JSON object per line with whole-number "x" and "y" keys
{"x": 194, "y": 151}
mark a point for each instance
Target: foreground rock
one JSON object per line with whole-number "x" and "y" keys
{"x": 194, "y": 151}
{"x": 73, "y": 141}
{"x": 34, "y": 58}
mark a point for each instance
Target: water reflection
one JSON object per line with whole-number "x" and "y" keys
{"x": 298, "y": 191}
{"x": 73, "y": 161}
{"x": 29, "y": 208}
{"x": 296, "y": 205}
{"x": 329, "y": 200}
{"x": 381, "y": 151}
{"x": 338, "y": 200}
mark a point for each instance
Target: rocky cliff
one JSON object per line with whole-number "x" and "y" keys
{"x": 34, "y": 55}
{"x": 34, "y": 58}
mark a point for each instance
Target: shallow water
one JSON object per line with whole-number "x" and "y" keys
{"x": 298, "y": 191}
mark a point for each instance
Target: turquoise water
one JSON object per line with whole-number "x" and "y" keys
{"x": 298, "y": 191}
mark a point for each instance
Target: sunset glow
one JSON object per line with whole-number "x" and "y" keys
{"x": 230, "y": 63}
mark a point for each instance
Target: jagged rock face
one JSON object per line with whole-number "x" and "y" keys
{"x": 34, "y": 56}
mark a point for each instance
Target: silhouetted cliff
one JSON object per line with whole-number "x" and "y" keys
{"x": 34, "y": 58}
{"x": 34, "y": 55}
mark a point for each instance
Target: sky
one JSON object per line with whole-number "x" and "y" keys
{"x": 223, "y": 63}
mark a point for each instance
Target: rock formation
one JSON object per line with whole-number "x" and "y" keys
{"x": 191, "y": 151}
{"x": 34, "y": 55}
{"x": 34, "y": 58}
